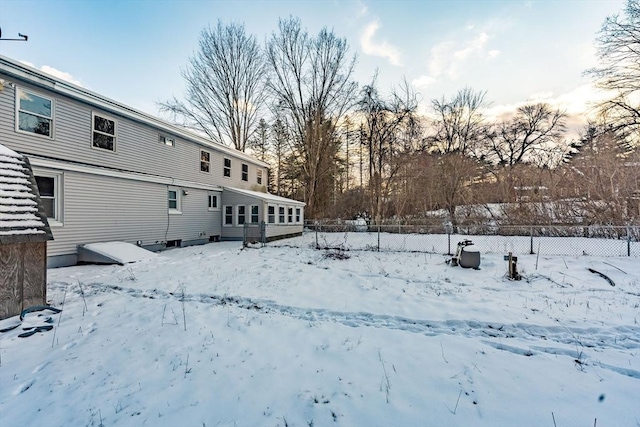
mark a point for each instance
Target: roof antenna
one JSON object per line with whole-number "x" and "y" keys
{"x": 23, "y": 38}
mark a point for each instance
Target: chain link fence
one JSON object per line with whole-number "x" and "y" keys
{"x": 545, "y": 240}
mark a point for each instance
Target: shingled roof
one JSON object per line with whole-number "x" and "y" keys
{"x": 22, "y": 217}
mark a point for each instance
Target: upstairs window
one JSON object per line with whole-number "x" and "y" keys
{"x": 205, "y": 161}
{"x": 245, "y": 172}
{"x": 104, "y": 132}
{"x": 227, "y": 167}
{"x": 259, "y": 177}
{"x": 34, "y": 113}
{"x": 165, "y": 140}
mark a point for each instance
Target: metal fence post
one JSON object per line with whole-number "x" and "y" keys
{"x": 378, "y": 238}
{"x": 628, "y": 241}
{"x": 531, "y": 249}
{"x": 316, "y": 227}
{"x": 448, "y": 242}
{"x": 244, "y": 235}
{"x": 263, "y": 233}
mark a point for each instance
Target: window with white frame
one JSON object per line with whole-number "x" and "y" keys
{"x": 214, "y": 201}
{"x": 228, "y": 215}
{"x": 50, "y": 189}
{"x": 34, "y": 113}
{"x": 227, "y": 168}
{"x": 255, "y": 214}
{"x": 290, "y": 215}
{"x": 281, "y": 216}
{"x": 271, "y": 214}
{"x": 245, "y": 172}
{"x": 165, "y": 140}
{"x": 173, "y": 200}
{"x": 205, "y": 161}
{"x": 298, "y": 212}
{"x": 259, "y": 177}
{"x": 103, "y": 132}
{"x": 242, "y": 215}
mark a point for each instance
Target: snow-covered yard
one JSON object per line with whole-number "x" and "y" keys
{"x": 218, "y": 336}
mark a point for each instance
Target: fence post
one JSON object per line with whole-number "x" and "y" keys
{"x": 378, "y": 238}
{"x": 531, "y": 249}
{"x": 628, "y": 241}
{"x": 263, "y": 233}
{"x": 448, "y": 242}
{"x": 244, "y": 236}
{"x": 316, "y": 227}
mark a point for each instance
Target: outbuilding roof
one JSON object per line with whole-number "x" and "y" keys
{"x": 265, "y": 196}
{"x": 22, "y": 217}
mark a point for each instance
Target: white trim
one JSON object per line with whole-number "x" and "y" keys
{"x": 271, "y": 198}
{"x": 17, "y": 113}
{"x": 134, "y": 176}
{"x": 115, "y": 131}
{"x": 237, "y": 216}
{"x": 58, "y": 186}
{"x": 217, "y": 196}
{"x": 178, "y": 209}
{"x": 275, "y": 217}
{"x": 34, "y": 76}
{"x": 251, "y": 214}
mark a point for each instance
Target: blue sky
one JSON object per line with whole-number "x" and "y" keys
{"x": 132, "y": 51}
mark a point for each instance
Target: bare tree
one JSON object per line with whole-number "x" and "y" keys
{"x": 384, "y": 122}
{"x": 225, "y": 79}
{"x": 535, "y": 127}
{"x": 618, "y": 46}
{"x": 458, "y": 122}
{"x": 312, "y": 86}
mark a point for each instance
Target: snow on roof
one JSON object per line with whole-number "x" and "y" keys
{"x": 20, "y": 219}
{"x": 265, "y": 196}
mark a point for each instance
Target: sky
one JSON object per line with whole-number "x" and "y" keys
{"x": 133, "y": 51}
{"x": 287, "y": 335}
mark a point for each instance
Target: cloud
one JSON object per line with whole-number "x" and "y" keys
{"x": 383, "y": 49}
{"x": 423, "y": 81}
{"x": 62, "y": 75}
{"x": 449, "y": 57}
{"x": 362, "y": 9}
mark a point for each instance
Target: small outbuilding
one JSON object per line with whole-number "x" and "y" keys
{"x": 24, "y": 232}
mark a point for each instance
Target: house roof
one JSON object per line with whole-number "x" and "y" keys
{"x": 29, "y": 74}
{"x": 265, "y": 196}
{"x": 22, "y": 217}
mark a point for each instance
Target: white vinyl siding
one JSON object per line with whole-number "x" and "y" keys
{"x": 34, "y": 113}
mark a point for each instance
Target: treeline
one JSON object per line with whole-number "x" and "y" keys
{"x": 348, "y": 149}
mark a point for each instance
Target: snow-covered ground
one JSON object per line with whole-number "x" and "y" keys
{"x": 219, "y": 336}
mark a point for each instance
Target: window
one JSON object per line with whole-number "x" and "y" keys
{"x": 173, "y": 200}
{"x": 241, "y": 215}
{"x": 271, "y": 216}
{"x": 34, "y": 113}
{"x": 49, "y": 187}
{"x": 228, "y": 215}
{"x": 205, "y": 161}
{"x": 213, "y": 202}
{"x": 259, "y": 177}
{"x": 290, "y": 215}
{"x": 255, "y": 217}
{"x": 104, "y": 133}
{"x": 245, "y": 172}
{"x": 281, "y": 214}
{"x": 298, "y": 211}
{"x": 227, "y": 167}
{"x": 170, "y": 142}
